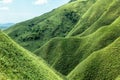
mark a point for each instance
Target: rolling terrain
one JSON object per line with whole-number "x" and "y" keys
{"x": 100, "y": 65}
{"x": 32, "y": 34}
{"x": 89, "y": 24}
{"x": 58, "y": 51}
{"x": 71, "y": 51}
{"x": 80, "y": 40}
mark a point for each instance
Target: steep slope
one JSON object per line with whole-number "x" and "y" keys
{"x": 118, "y": 78}
{"x": 18, "y": 64}
{"x": 107, "y": 18}
{"x": 32, "y": 34}
{"x": 58, "y": 52}
{"x": 101, "y": 65}
{"x": 65, "y": 53}
{"x": 98, "y": 15}
{"x": 97, "y": 28}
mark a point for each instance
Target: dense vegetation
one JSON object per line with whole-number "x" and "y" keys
{"x": 80, "y": 40}
{"x": 32, "y": 34}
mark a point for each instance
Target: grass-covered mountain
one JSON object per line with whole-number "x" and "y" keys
{"x": 71, "y": 51}
{"x": 79, "y": 39}
{"x": 101, "y": 14}
{"x": 72, "y": 0}
{"x": 16, "y": 63}
{"x": 32, "y": 34}
{"x": 65, "y": 53}
{"x": 100, "y": 65}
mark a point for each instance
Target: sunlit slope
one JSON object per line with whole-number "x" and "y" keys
{"x": 80, "y": 33}
{"x": 32, "y": 34}
{"x": 107, "y": 18}
{"x": 18, "y": 64}
{"x": 65, "y": 53}
{"x": 102, "y": 13}
{"x": 118, "y": 78}
{"x": 101, "y": 65}
{"x": 3, "y": 77}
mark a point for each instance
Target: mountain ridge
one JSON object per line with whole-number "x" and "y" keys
{"x": 80, "y": 39}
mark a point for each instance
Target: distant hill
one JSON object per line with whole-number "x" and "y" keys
{"x": 6, "y": 25}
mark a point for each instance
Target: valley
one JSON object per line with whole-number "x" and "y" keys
{"x": 77, "y": 41}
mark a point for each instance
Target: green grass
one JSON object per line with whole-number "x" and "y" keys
{"x": 100, "y": 65}
{"x": 64, "y": 54}
{"x": 118, "y": 78}
{"x": 79, "y": 39}
{"x": 91, "y": 16}
{"x": 3, "y": 77}
{"x": 107, "y": 18}
{"x": 32, "y": 34}
{"x": 16, "y": 63}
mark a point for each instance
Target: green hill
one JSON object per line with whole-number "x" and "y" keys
{"x": 97, "y": 16}
{"x": 107, "y": 18}
{"x": 58, "y": 52}
{"x": 17, "y": 63}
{"x": 79, "y": 39}
{"x": 32, "y": 34}
{"x": 73, "y": 50}
{"x": 65, "y": 53}
{"x": 100, "y": 65}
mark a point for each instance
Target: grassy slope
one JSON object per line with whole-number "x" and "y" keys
{"x": 18, "y": 64}
{"x": 32, "y": 34}
{"x": 3, "y": 77}
{"x": 58, "y": 52}
{"x": 91, "y": 16}
{"x": 65, "y": 53}
{"x": 99, "y": 27}
{"x": 106, "y": 34}
{"x": 101, "y": 65}
{"x": 107, "y": 18}
{"x": 118, "y": 78}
